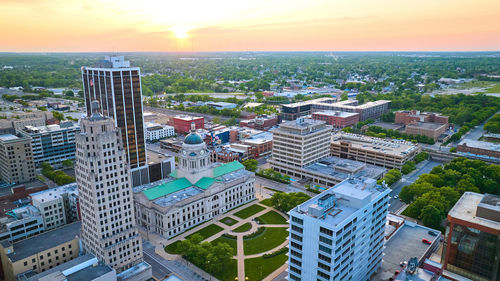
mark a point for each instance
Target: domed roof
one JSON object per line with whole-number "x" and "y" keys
{"x": 193, "y": 138}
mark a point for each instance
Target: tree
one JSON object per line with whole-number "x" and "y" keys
{"x": 431, "y": 216}
{"x": 69, "y": 94}
{"x": 287, "y": 201}
{"x": 344, "y": 97}
{"x": 453, "y": 149}
{"x": 216, "y": 120}
{"x": 81, "y": 94}
{"x": 408, "y": 167}
{"x": 391, "y": 177}
{"x": 67, "y": 163}
{"x": 421, "y": 157}
{"x": 58, "y": 115}
{"x": 251, "y": 164}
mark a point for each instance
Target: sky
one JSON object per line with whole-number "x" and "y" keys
{"x": 248, "y": 25}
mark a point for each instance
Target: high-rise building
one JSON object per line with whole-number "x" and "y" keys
{"x": 472, "y": 244}
{"x": 299, "y": 143}
{"x": 16, "y": 159}
{"x": 106, "y": 206}
{"x": 339, "y": 234}
{"x": 117, "y": 87}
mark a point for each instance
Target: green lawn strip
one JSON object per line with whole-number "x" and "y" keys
{"x": 172, "y": 248}
{"x": 494, "y": 89}
{"x": 228, "y": 221}
{"x": 272, "y": 217}
{"x": 259, "y": 268}
{"x": 249, "y": 211}
{"x": 230, "y": 241}
{"x": 243, "y": 228}
{"x": 269, "y": 239}
{"x": 207, "y": 231}
{"x": 229, "y": 272}
{"x": 266, "y": 202}
{"x": 189, "y": 229}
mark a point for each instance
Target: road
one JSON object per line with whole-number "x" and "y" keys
{"x": 423, "y": 167}
{"x": 173, "y": 112}
{"x": 162, "y": 267}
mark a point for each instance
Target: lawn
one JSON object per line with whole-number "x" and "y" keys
{"x": 266, "y": 202}
{"x": 229, "y": 272}
{"x": 494, "y": 89}
{"x": 259, "y": 268}
{"x": 269, "y": 239}
{"x": 172, "y": 248}
{"x": 272, "y": 217}
{"x": 249, "y": 211}
{"x": 243, "y": 228}
{"x": 208, "y": 231}
{"x": 229, "y": 241}
{"x": 228, "y": 221}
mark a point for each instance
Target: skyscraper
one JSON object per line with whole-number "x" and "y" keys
{"x": 117, "y": 87}
{"x": 339, "y": 234}
{"x": 108, "y": 225}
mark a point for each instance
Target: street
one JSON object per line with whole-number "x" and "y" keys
{"x": 162, "y": 267}
{"x": 423, "y": 167}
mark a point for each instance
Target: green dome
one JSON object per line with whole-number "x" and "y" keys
{"x": 193, "y": 138}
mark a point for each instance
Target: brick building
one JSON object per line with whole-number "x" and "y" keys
{"x": 482, "y": 149}
{"x": 337, "y": 119}
{"x": 262, "y": 122}
{"x": 182, "y": 123}
{"x": 409, "y": 116}
{"x": 429, "y": 129}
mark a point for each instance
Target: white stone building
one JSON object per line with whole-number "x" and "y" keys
{"x": 157, "y": 131}
{"x": 198, "y": 190}
{"x": 339, "y": 234}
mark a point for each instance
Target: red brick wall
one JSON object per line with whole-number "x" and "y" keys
{"x": 184, "y": 126}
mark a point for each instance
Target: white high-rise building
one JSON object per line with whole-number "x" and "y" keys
{"x": 339, "y": 234}
{"x": 107, "y": 213}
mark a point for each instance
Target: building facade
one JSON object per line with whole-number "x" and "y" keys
{"x": 388, "y": 154}
{"x": 16, "y": 159}
{"x": 21, "y": 223}
{"x": 198, "y": 191}
{"x": 409, "y": 116}
{"x": 262, "y": 122}
{"x": 431, "y": 130}
{"x": 117, "y": 87}
{"x": 339, "y": 234}
{"x": 107, "y": 212}
{"x": 157, "y": 131}
{"x": 481, "y": 149}
{"x": 53, "y": 143}
{"x": 337, "y": 119}
{"x": 472, "y": 244}
{"x": 41, "y": 252}
{"x": 182, "y": 123}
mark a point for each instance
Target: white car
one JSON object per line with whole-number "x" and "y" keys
{"x": 396, "y": 197}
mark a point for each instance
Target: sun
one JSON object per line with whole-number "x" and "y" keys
{"x": 180, "y": 32}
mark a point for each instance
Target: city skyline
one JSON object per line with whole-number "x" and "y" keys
{"x": 360, "y": 25}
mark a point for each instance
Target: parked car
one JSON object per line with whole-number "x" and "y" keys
{"x": 426, "y": 241}
{"x": 396, "y": 197}
{"x": 403, "y": 263}
{"x": 432, "y": 233}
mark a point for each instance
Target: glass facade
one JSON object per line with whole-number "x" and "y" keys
{"x": 473, "y": 253}
{"x": 119, "y": 95}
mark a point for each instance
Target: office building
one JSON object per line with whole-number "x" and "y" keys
{"x": 292, "y": 111}
{"x": 40, "y": 253}
{"x": 21, "y": 223}
{"x": 16, "y": 159}
{"x": 18, "y": 120}
{"x": 337, "y": 119}
{"x": 472, "y": 243}
{"x": 106, "y": 206}
{"x": 197, "y": 191}
{"x": 428, "y": 129}
{"x": 262, "y": 122}
{"x": 339, "y": 234}
{"x": 480, "y": 149}
{"x": 410, "y": 116}
{"x": 390, "y": 154}
{"x": 52, "y": 143}
{"x": 157, "y": 131}
{"x": 58, "y": 206}
{"x": 84, "y": 268}
{"x": 117, "y": 87}
{"x": 182, "y": 123}
{"x": 299, "y": 143}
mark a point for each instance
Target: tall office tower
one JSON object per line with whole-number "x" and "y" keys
{"x": 16, "y": 159}
{"x": 339, "y": 234}
{"x": 117, "y": 87}
{"x": 299, "y": 143}
{"x": 472, "y": 244}
{"x": 106, "y": 205}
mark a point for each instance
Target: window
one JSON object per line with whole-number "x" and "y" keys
{"x": 25, "y": 263}
{"x": 326, "y": 231}
{"x": 325, "y": 240}
{"x": 323, "y": 266}
{"x": 323, "y": 275}
{"x": 296, "y": 228}
{"x": 324, "y": 258}
{"x": 297, "y": 220}
{"x": 325, "y": 249}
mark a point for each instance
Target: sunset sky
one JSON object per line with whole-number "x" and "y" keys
{"x": 246, "y": 25}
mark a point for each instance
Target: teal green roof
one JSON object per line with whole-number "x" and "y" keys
{"x": 227, "y": 168}
{"x": 173, "y": 174}
{"x": 193, "y": 138}
{"x": 204, "y": 182}
{"x": 166, "y": 188}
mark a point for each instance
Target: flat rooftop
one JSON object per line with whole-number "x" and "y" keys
{"x": 337, "y": 113}
{"x": 394, "y": 146}
{"x": 341, "y": 168}
{"x": 350, "y": 195}
{"x": 466, "y": 207}
{"x": 481, "y": 144}
{"x": 54, "y": 193}
{"x": 89, "y": 273}
{"x": 155, "y": 157}
{"x": 427, "y": 125}
{"x": 187, "y": 117}
{"x": 47, "y": 240}
{"x": 67, "y": 265}
{"x": 8, "y": 137}
{"x": 405, "y": 244}
{"x": 386, "y": 125}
